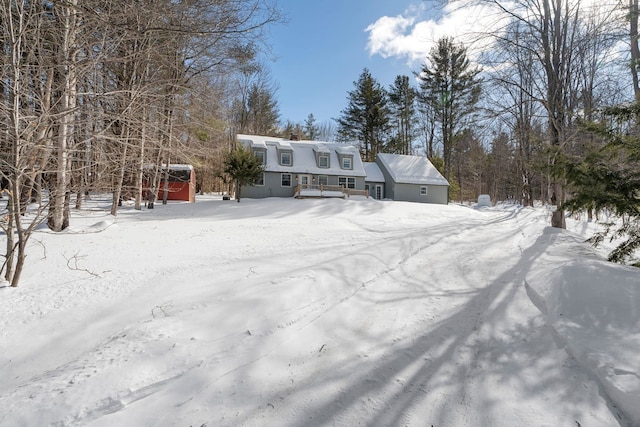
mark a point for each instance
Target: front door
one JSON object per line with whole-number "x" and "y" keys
{"x": 305, "y": 181}
{"x": 379, "y": 194}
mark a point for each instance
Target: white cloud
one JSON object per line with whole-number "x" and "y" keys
{"x": 411, "y": 36}
{"x": 400, "y": 36}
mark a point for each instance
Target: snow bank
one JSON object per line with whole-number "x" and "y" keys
{"x": 594, "y": 308}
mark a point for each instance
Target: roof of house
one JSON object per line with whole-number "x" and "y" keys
{"x": 304, "y": 155}
{"x": 374, "y": 174}
{"x": 411, "y": 169}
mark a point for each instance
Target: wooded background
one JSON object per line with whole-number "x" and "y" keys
{"x": 99, "y": 95}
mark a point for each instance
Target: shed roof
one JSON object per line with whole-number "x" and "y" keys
{"x": 411, "y": 169}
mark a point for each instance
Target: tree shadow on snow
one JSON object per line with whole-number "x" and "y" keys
{"x": 418, "y": 376}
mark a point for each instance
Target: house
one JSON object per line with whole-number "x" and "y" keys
{"x": 322, "y": 169}
{"x": 412, "y": 179}
{"x": 304, "y": 168}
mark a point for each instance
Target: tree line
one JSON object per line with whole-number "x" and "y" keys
{"x": 102, "y": 95}
{"x": 544, "y": 112}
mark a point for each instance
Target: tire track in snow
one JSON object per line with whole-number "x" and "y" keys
{"x": 438, "y": 376}
{"x": 420, "y": 240}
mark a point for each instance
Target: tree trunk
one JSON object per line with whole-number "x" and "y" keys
{"x": 117, "y": 192}
{"x": 67, "y": 57}
{"x": 635, "y": 51}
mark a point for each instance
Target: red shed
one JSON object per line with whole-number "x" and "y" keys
{"x": 182, "y": 184}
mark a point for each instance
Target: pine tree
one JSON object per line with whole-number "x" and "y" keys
{"x": 262, "y": 110}
{"x": 310, "y": 128}
{"x": 366, "y": 118}
{"x": 243, "y": 167}
{"x": 403, "y": 111}
{"x": 609, "y": 178}
{"x": 451, "y": 87}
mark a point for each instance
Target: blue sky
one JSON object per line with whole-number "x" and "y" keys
{"x": 326, "y": 44}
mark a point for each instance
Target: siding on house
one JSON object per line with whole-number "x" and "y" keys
{"x": 412, "y": 193}
{"x": 412, "y": 179}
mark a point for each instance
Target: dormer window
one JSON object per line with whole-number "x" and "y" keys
{"x": 260, "y": 154}
{"x": 347, "y": 162}
{"x": 323, "y": 161}
{"x": 286, "y": 158}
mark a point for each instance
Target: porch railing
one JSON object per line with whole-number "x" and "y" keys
{"x": 329, "y": 190}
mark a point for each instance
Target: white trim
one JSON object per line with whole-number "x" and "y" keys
{"x": 286, "y": 153}
{"x": 262, "y": 155}
{"x": 323, "y": 156}
{"x": 350, "y": 165}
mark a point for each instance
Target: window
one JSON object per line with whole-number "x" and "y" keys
{"x": 347, "y": 182}
{"x": 285, "y": 180}
{"x": 323, "y": 180}
{"x": 323, "y": 161}
{"x": 260, "y": 155}
{"x": 423, "y": 191}
{"x": 260, "y": 181}
{"x": 346, "y": 163}
{"x": 286, "y": 159}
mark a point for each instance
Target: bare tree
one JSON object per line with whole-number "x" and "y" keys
{"x": 635, "y": 51}
{"x": 550, "y": 32}
{"x": 94, "y": 91}
{"x": 24, "y": 120}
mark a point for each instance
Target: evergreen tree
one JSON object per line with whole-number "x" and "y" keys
{"x": 451, "y": 87}
{"x": 293, "y": 131}
{"x": 262, "y": 109}
{"x": 310, "y": 128}
{"x": 402, "y": 101}
{"x": 243, "y": 167}
{"x": 366, "y": 118}
{"x": 609, "y": 178}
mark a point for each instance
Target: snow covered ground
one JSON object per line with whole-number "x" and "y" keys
{"x": 283, "y": 312}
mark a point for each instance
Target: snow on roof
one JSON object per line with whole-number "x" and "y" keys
{"x": 346, "y": 149}
{"x": 412, "y": 169}
{"x": 172, "y": 166}
{"x": 304, "y": 155}
{"x": 374, "y": 174}
{"x": 177, "y": 167}
{"x": 284, "y": 144}
{"x": 321, "y": 148}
